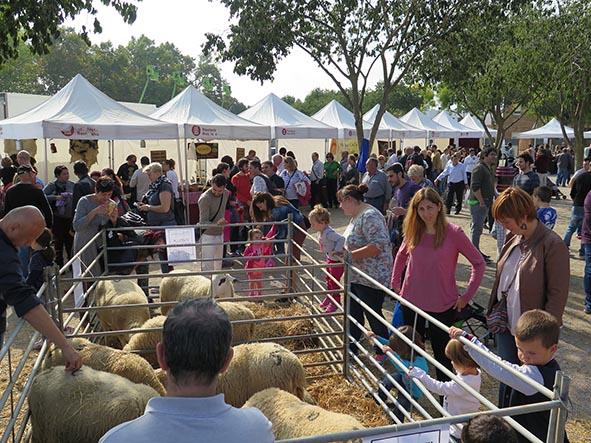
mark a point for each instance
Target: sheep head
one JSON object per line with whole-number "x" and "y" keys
{"x": 222, "y": 286}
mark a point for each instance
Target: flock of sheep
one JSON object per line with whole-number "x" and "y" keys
{"x": 115, "y": 384}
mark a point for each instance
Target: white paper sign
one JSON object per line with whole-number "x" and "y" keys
{"x": 430, "y": 434}
{"x": 181, "y": 236}
{"x": 78, "y": 289}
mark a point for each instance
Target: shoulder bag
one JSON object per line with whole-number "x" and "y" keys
{"x": 497, "y": 319}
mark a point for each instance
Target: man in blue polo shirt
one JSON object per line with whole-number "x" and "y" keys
{"x": 20, "y": 227}
{"x": 194, "y": 351}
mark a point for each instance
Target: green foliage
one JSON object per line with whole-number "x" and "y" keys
{"x": 37, "y": 23}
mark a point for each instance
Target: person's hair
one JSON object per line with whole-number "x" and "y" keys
{"x": 271, "y": 202}
{"x": 242, "y": 162}
{"x": 396, "y": 168}
{"x": 252, "y": 151}
{"x": 351, "y": 157}
{"x": 196, "y": 336}
{"x": 255, "y": 164}
{"x": 282, "y": 151}
{"x": 105, "y": 184}
{"x": 455, "y": 352}
{"x": 416, "y": 149}
{"x": 219, "y": 180}
{"x": 354, "y": 191}
{"x": 289, "y": 161}
{"x": 320, "y": 214}
{"x": 154, "y": 167}
{"x": 6, "y": 162}
{"x": 254, "y": 232}
{"x": 486, "y": 151}
{"x": 414, "y": 227}
{"x": 538, "y": 324}
{"x": 130, "y": 156}
{"x": 45, "y": 240}
{"x": 330, "y": 155}
{"x": 227, "y": 159}
{"x": 58, "y": 170}
{"x": 94, "y": 174}
{"x": 373, "y": 160}
{"x": 403, "y": 349}
{"x": 544, "y": 193}
{"x": 416, "y": 171}
{"x": 275, "y": 157}
{"x": 110, "y": 173}
{"x": 290, "y": 154}
{"x": 514, "y": 203}
{"x": 268, "y": 163}
{"x": 80, "y": 168}
{"x": 220, "y": 168}
{"x": 488, "y": 429}
{"x": 526, "y": 157}
{"x": 144, "y": 161}
{"x": 170, "y": 162}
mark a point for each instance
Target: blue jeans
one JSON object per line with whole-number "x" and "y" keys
{"x": 507, "y": 350}
{"x": 563, "y": 177}
{"x": 587, "y": 275}
{"x": 24, "y": 255}
{"x": 574, "y": 224}
{"x": 479, "y": 215}
{"x": 404, "y": 402}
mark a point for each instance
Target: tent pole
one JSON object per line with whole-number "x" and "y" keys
{"x": 186, "y": 187}
{"x": 113, "y": 151}
{"x": 46, "y": 164}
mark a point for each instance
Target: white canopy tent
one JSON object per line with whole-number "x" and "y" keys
{"x": 447, "y": 121}
{"x": 286, "y": 121}
{"x": 336, "y": 115}
{"x": 416, "y": 118}
{"x": 551, "y": 129}
{"x": 473, "y": 123}
{"x": 394, "y": 126}
{"x": 79, "y": 111}
{"x": 199, "y": 117}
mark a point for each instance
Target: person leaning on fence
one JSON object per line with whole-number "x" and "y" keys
{"x": 533, "y": 271}
{"x": 367, "y": 243}
{"x": 195, "y": 349}
{"x": 536, "y": 338}
{"x": 20, "y": 227}
{"x": 212, "y": 208}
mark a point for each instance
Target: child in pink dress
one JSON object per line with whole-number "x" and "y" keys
{"x": 332, "y": 246}
{"x": 260, "y": 252}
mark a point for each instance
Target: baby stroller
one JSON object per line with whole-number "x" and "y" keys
{"x": 473, "y": 319}
{"x": 556, "y": 193}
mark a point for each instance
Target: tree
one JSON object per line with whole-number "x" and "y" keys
{"x": 37, "y": 23}
{"x": 346, "y": 39}
{"x": 22, "y": 73}
{"x": 209, "y": 79}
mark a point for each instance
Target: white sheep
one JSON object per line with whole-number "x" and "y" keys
{"x": 241, "y": 333}
{"x": 180, "y": 287}
{"x": 106, "y": 359}
{"x": 258, "y": 366}
{"x": 121, "y": 292}
{"x": 82, "y": 407}
{"x": 293, "y": 418}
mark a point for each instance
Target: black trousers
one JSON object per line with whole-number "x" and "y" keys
{"x": 454, "y": 190}
{"x": 439, "y": 338}
{"x": 63, "y": 238}
{"x": 317, "y": 195}
{"x": 331, "y": 193}
{"x": 374, "y": 298}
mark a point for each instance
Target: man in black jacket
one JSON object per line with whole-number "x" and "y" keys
{"x": 84, "y": 186}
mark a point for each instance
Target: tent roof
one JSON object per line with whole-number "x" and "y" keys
{"x": 81, "y": 111}
{"x": 549, "y": 130}
{"x": 336, "y": 115}
{"x": 416, "y": 118}
{"x": 473, "y": 123}
{"x": 198, "y": 116}
{"x": 447, "y": 121}
{"x": 286, "y": 121}
{"x": 394, "y": 126}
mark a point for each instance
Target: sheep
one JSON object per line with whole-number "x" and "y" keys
{"x": 258, "y": 366}
{"x": 236, "y": 311}
{"x": 180, "y": 287}
{"x": 121, "y": 292}
{"x": 82, "y": 407}
{"x": 106, "y": 359}
{"x": 161, "y": 376}
{"x": 293, "y": 418}
{"x": 146, "y": 341}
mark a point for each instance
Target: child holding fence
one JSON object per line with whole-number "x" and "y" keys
{"x": 332, "y": 247}
{"x": 259, "y": 252}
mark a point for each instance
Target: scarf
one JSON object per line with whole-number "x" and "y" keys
{"x": 155, "y": 187}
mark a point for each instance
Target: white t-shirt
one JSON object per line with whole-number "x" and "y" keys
{"x": 258, "y": 185}
{"x": 513, "y": 302}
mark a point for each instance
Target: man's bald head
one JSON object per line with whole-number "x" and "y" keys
{"x": 23, "y": 225}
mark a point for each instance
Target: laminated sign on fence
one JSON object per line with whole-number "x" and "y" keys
{"x": 430, "y": 434}
{"x": 181, "y": 236}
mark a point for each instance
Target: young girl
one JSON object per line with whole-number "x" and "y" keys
{"x": 42, "y": 257}
{"x": 456, "y": 400}
{"x": 257, "y": 250}
{"x": 409, "y": 359}
{"x": 332, "y": 246}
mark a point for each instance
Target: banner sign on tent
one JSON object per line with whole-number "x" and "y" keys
{"x": 206, "y": 150}
{"x": 430, "y": 434}
{"x": 240, "y": 153}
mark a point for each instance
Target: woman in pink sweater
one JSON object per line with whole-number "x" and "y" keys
{"x": 428, "y": 258}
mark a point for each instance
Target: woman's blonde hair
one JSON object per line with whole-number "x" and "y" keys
{"x": 154, "y": 167}
{"x": 320, "y": 214}
{"x": 414, "y": 227}
{"x": 290, "y": 161}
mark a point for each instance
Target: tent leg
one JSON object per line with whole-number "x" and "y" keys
{"x": 186, "y": 187}
{"x": 46, "y": 162}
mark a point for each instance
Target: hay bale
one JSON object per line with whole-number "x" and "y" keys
{"x": 146, "y": 341}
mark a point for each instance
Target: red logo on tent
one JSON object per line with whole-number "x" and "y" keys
{"x": 196, "y": 130}
{"x": 68, "y": 132}
{"x": 350, "y": 132}
{"x": 284, "y": 131}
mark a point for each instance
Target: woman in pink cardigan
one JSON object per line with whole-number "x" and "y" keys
{"x": 428, "y": 258}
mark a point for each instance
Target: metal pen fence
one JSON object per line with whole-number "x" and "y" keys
{"x": 69, "y": 297}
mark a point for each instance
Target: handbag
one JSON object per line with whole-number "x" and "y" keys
{"x": 497, "y": 320}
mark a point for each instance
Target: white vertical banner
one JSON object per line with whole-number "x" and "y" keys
{"x": 428, "y": 434}
{"x": 181, "y": 236}
{"x": 78, "y": 287}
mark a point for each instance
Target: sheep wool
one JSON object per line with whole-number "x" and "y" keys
{"x": 161, "y": 376}
{"x": 106, "y": 359}
{"x": 293, "y": 418}
{"x": 258, "y": 366}
{"x": 147, "y": 341}
{"x": 82, "y": 407}
{"x": 182, "y": 287}
{"x": 236, "y": 311}
{"x": 121, "y": 292}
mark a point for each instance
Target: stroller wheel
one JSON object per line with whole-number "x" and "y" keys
{"x": 564, "y": 197}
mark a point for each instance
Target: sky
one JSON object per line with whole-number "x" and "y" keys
{"x": 184, "y": 23}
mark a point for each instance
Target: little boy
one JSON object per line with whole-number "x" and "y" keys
{"x": 542, "y": 196}
{"x": 536, "y": 338}
{"x": 488, "y": 429}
